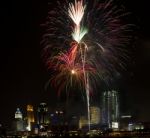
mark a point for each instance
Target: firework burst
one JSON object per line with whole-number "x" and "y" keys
{"x": 85, "y": 42}
{"x": 85, "y": 38}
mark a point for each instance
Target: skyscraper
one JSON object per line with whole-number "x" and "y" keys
{"x": 43, "y": 118}
{"x": 110, "y": 109}
{"x": 30, "y": 117}
{"x": 18, "y": 114}
{"x": 18, "y": 123}
{"x": 94, "y": 118}
{"x": 94, "y": 115}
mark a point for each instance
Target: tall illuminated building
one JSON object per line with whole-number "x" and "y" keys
{"x": 110, "y": 109}
{"x": 43, "y": 118}
{"x": 18, "y": 123}
{"x": 94, "y": 115}
{"x": 94, "y": 118}
{"x": 18, "y": 114}
{"x": 30, "y": 117}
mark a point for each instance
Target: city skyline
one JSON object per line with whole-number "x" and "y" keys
{"x": 24, "y": 75}
{"x": 102, "y": 117}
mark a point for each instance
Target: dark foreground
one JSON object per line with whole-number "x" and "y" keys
{"x": 76, "y": 134}
{"x": 93, "y": 137}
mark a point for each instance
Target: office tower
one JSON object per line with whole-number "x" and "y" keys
{"x": 18, "y": 114}
{"x": 94, "y": 115}
{"x": 126, "y": 122}
{"x": 57, "y": 118}
{"x": 110, "y": 109}
{"x": 30, "y": 117}
{"x": 43, "y": 118}
{"x": 94, "y": 118}
{"x": 18, "y": 123}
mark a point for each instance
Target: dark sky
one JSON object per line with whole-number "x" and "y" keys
{"x": 23, "y": 74}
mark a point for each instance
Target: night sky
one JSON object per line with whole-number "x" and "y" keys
{"x": 23, "y": 74}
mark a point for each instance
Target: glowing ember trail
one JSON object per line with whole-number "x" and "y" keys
{"x": 76, "y": 12}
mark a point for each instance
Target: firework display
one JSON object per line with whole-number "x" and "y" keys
{"x": 84, "y": 38}
{"x": 84, "y": 43}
